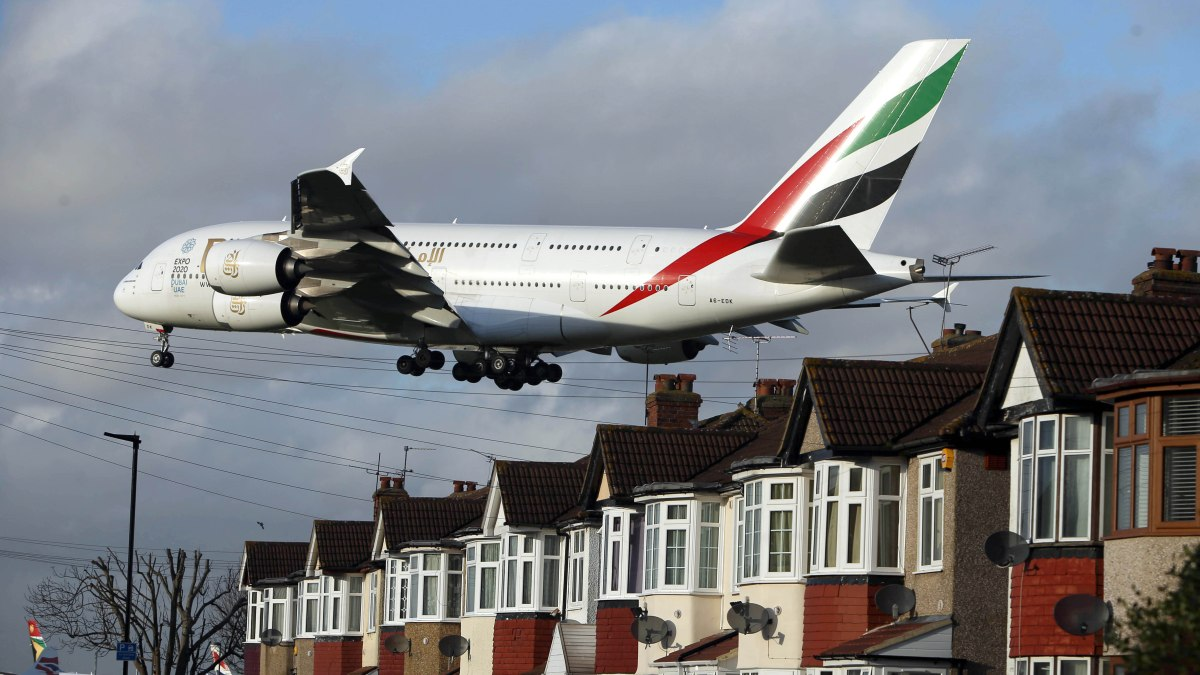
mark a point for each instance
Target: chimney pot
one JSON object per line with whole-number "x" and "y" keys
{"x": 1187, "y": 259}
{"x": 974, "y": 332}
{"x": 959, "y": 328}
{"x": 1162, "y": 257}
{"x": 947, "y": 332}
{"x": 664, "y": 382}
{"x": 458, "y": 486}
{"x": 470, "y": 486}
{"x": 786, "y": 387}
{"x": 685, "y": 381}
{"x": 384, "y": 482}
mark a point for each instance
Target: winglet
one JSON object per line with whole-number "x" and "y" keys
{"x": 942, "y": 297}
{"x": 344, "y": 167}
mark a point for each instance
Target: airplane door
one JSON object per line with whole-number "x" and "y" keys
{"x": 637, "y": 250}
{"x": 533, "y": 247}
{"x": 687, "y": 290}
{"x": 578, "y": 286}
{"x": 160, "y": 273}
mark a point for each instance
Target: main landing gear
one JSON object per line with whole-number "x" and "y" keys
{"x": 163, "y": 358}
{"x": 422, "y": 359}
{"x": 509, "y": 371}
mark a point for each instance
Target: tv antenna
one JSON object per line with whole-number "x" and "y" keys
{"x": 949, "y": 261}
{"x": 753, "y": 335}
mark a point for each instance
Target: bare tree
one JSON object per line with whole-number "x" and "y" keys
{"x": 180, "y": 606}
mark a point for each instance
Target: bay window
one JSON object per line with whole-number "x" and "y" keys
{"x": 854, "y": 516}
{"x": 396, "y": 586}
{"x": 311, "y": 604}
{"x": 577, "y": 567}
{"x": 771, "y": 503}
{"x": 1156, "y": 464}
{"x": 932, "y": 510}
{"x": 434, "y": 586}
{"x": 682, "y": 545}
{"x": 1054, "y": 477}
{"x": 531, "y": 567}
{"x": 483, "y": 571}
{"x": 354, "y": 598}
{"x": 551, "y": 564}
{"x": 621, "y": 553}
{"x": 276, "y": 605}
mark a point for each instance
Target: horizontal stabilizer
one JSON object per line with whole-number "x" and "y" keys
{"x": 811, "y": 255}
{"x": 791, "y": 324}
{"x": 942, "y": 278}
{"x": 941, "y": 298}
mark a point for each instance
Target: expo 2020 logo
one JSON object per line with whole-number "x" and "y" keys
{"x": 188, "y": 246}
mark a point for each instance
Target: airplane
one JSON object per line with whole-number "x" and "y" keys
{"x": 501, "y": 297}
{"x": 46, "y": 663}
{"x": 36, "y": 642}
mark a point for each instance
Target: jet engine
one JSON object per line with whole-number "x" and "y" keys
{"x": 664, "y": 352}
{"x": 260, "y": 312}
{"x": 252, "y": 267}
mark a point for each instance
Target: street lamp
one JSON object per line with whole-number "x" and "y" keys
{"x": 136, "y": 441}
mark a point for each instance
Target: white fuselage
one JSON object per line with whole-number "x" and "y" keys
{"x": 549, "y": 288}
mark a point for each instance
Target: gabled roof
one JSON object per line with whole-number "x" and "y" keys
{"x": 885, "y": 637}
{"x": 342, "y": 545}
{"x": 633, "y": 456}
{"x": 767, "y": 444}
{"x": 1076, "y": 337}
{"x": 709, "y": 649}
{"x": 537, "y": 493}
{"x": 740, "y": 418}
{"x": 273, "y": 560}
{"x": 873, "y": 403}
{"x": 430, "y": 518}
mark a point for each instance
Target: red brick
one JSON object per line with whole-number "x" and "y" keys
{"x": 250, "y": 658}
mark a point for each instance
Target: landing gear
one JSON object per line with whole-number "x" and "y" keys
{"x": 421, "y": 359}
{"x": 163, "y": 358}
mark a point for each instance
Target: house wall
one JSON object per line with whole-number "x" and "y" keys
{"x": 1144, "y": 563}
{"x": 479, "y": 630}
{"x": 251, "y": 660}
{"x": 370, "y": 650}
{"x": 934, "y": 590}
{"x": 694, "y": 616}
{"x": 334, "y": 655}
{"x": 304, "y": 656}
{"x": 275, "y": 660}
{"x": 521, "y": 642}
{"x": 425, "y": 657}
{"x": 389, "y": 663}
{"x": 616, "y": 648}
{"x": 784, "y": 649}
{"x": 1051, "y": 573}
{"x": 837, "y": 609}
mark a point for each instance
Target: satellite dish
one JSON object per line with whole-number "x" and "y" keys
{"x": 747, "y": 618}
{"x": 668, "y": 639}
{"x": 650, "y": 629}
{"x": 454, "y": 645}
{"x": 895, "y": 599}
{"x": 398, "y": 644}
{"x": 1006, "y": 549}
{"x": 271, "y": 637}
{"x": 1081, "y": 614}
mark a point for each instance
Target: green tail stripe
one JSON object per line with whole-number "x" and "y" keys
{"x": 907, "y": 107}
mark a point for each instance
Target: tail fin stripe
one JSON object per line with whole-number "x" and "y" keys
{"x": 854, "y": 195}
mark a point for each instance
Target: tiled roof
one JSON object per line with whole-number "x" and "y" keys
{"x": 634, "y": 456}
{"x": 1076, "y": 337}
{"x": 871, "y": 403}
{"x": 944, "y": 423}
{"x": 343, "y": 545}
{"x": 741, "y": 418}
{"x": 976, "y": 354}
{"x": 767, "y": 444}
{"x": 712, "y": 648}
{"x": 537, "y": 493}
{"x": 886, "y": 636}
{"x": 273, "y": 559}
{"x": 430, "y": 518}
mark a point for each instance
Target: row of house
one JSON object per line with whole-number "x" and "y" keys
{"x": 836, "y": 525}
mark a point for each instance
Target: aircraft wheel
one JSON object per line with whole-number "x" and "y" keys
{"x": 168, "y": 360}
{"x": 555, "y": 373}
{"x": 497, "y": 365}
{"x": 511, "y": 365}
{"x": 533, "y": 380}
{"x": 437, "y": 360}
{"x": 418, "y": 371}
{"x": 406, "y": 365}
{"x": 459, "y": 372}
{"x": 539, "y": 371}
{"x": 423, "y": 358}
{"x": 157, "y": 358}
{"x": 516, "y": 386}
{"x": 501, "y": 382}
{"x": 474, "y": 378}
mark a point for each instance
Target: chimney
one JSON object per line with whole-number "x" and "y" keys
{"x": 673, "y": 404}
{"x": 772, "y": 398}
{"x": 458, "y": 486}
{"x": 1170, "y": 274}
{"x": 953, "y": 337}
{"x": 390, "y": 489}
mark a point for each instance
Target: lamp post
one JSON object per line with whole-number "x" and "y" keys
{"x": 136, "y": 441}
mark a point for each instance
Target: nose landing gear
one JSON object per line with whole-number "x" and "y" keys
{"x": 163, "y": 358}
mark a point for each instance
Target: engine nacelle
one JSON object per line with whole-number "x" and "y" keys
{"x": 664, "y": 352}
{"x": 260, "y": 312}
{"x": 252, "y": 267}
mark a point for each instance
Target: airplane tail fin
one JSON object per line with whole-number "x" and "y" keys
{"x": 852, "y": 172}
{"x": 36, "y": 641}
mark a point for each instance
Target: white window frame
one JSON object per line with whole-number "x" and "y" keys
{"x": 820, "y": 493}
{"x": 931, "y": 491}
{"x": 522, "y": 566}
{"x": 444, "y": 570}
{"x": 1108, "y": 466}
{"x": 474, "y": 580}
{"x": 678, "y": 519}
{"x": 619, "y": 538}
{"x": 769, "y": 495}
{"x": 354, "y": 619}
{"x": 551, "y": 580}
{"x": 1088, "y": 453}
{"x": 373, "y": 602}
{"x": 310, "y": 604}
{"x": 396, "y": 591}
{"x": 577, "y": 568}
{"x": 1034, "y": 452}
{"x": 277, "y": 601}
{"x": 739, "y": 518}
{"x": 709, "y": 527}
{"x": 254, "y": 615}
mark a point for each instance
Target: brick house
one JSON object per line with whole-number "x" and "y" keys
{"x": 330, "y": 621}
{"x": 269, "y": 574}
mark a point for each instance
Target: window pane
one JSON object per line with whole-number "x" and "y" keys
{"x": 614, "y": 573}
{"x": 433, "y": 561}
{"x": 676, "y": 512}
{"x": 1026, "y": 497}
{"x": 1106, "y": 490}
{"x": 1072, "y": 667}
{"x": 527, "y": 582}
{"x": 354, "y": 613}
{"x": 781, "y": 490}
{"x": 1108, "y": 432}
{"x": 709, "y": 543}
{"x": 551, "y": 546}
{"x": 779, "y": 554}
{"x": 429, "y": 594}
{"x": 633, "y": 579}
{"x": 616, "y": 524}
{"x": 831, "y": 534}
{"x": 1123, "y": 421}
{"x": 1041, "y": 669}
{"x": 1077, "y": 494}
{"x": 926, "y": 528}
{"x": 926, "y": 476}
{"x": 1139, "y": 417}
{"x": 1124, "y": 488}
{"x": 939, "y": 476}
{"x": 550, "y": 597}
{"x": 651, "y": 557}
{"x": 889, "y": 480}
{"x": 510, "y": 583}
{"x": 471, "y": 588}
{"x": 831, "y": 481}
{"x": 487, "y": 588}
{"x": 1181, "y": 416}
{"x": 453, "y": 595}
{"x": 1179, "y": 484}
{"x": 854, "y": 534}
{"x": 1044, "y": 498}
{"x": 937, "y": 529}
{"x": 489, "y": 552}
{"x": 1046, "y": 435}
{"x": 676, "y": 556}
{"x": 754, "y": 529}
{"x": 1141, "y": 506}
{"x": 856, "y": 479}
{"x": 527, "y": 544}
{"x": 711, "y": 512}
{"x": 1077, "y": 433}
{"x": 887, "y": 542}
{"x": 1027, "y": 437}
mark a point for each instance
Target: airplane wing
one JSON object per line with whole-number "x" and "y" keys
{"x": 362, "y": 278}
{"x": 810, "y": 255}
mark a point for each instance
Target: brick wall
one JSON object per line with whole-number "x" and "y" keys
{"x": 616, "y": 648}
{"x": 336, "y": 656}
{"x": 389, "y": 663}
{"x": 837, "y": 612}
{"x": 1050, "y": 574}
{"x": 521, "y": 644}
{"x": 250, "y": 660}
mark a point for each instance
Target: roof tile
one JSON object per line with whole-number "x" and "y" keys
{"x": 537, "y": 493}
{"x": 636, "y": 456}
{"x": 273, "y": 559}
{"x": 430, "y": 518}
{"x": 343, "y": 545}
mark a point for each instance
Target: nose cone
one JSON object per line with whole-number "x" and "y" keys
{"x": 123, "y": 295}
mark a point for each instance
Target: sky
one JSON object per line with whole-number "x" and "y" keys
{"x": 1068, "y": 140}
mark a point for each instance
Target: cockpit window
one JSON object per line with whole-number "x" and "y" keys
{"x": 138, "y": 267}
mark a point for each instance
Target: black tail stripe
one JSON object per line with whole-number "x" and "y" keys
{"x": 854, "y": 195}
